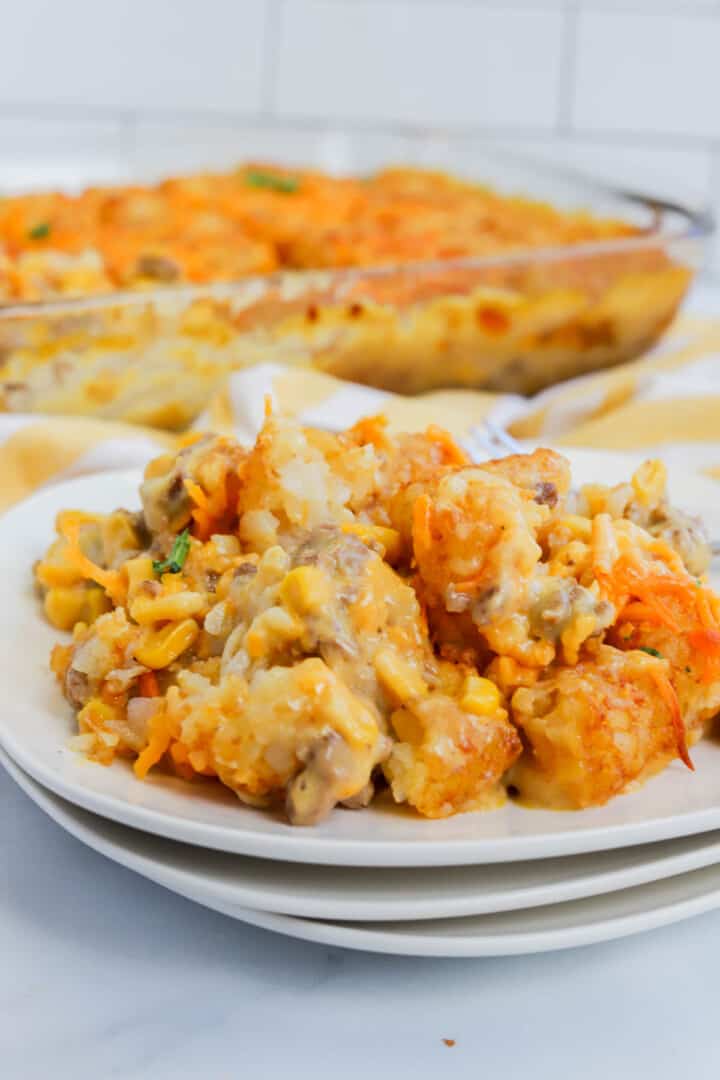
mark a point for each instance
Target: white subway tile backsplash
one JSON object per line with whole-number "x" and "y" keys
{"x": 137, "y": 54}
{"x": 53, "y": 151}
{"x": 426, "y": 64}
{"x": 681, "y": 173}
{"x": 162, "y": 147}
{"x": 654, "y": 73}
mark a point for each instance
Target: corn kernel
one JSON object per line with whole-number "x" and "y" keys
{"x": 67, "y": 605}
{"x": 397, "y": 677}
{"x": 138, "y": 570}
{"x": 570, "y": 559}
{"x": 579, "y": 527}
{"x": 382, "y": 536}
{"x": 96, "y": 604}
{"x": 180, "y": 605}
{"x": 270, "y": 630}
{"x": 480, "y": 696}
{"x": 576, "y": 633}
{"x": 649, "y": 482}
{"x": 50, "y": 573}
{"x": 305, "y": 589}
{"x": 407, "y": 727}
{"x": 349, "y": 716}
{"x": 274, "y": 563}
{"x": 158, "y": 648}
{"x": 63, "y": 606}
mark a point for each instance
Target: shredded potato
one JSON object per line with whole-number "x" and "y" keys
{"x": 321, "y": 618}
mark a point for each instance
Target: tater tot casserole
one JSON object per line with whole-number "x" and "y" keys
{"x": 405, "y": 279}
{"x": 322, "y": 618}
{"x": 221, "y": 227}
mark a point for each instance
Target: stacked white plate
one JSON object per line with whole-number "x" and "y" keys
{"x": 510, "y": 881}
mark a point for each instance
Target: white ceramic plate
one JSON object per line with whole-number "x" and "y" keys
{"x": 366, "y": 895}
{"x": 514, "y": 933}
{"x": 553, "y": 926}
{"x": 35, "y": 725}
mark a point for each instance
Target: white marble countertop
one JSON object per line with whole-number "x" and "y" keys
{"x": 103, "y": 974}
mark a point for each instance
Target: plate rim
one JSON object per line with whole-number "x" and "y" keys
{"x": 367, "y": 937}
{"x": 376, "y": 941}
{"x": 330, "y": 851}
{"x": 172, "y": 877}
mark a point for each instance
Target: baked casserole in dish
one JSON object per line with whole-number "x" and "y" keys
{"x": 133, "y": 302}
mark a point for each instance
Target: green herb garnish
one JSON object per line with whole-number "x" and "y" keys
{"x": 651, "y": 652}
{"x": 39, "y": 231}
{"x": 176, "y": 560}
{"x": 286, "y": 184}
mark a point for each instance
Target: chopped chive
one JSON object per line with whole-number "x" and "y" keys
{"x": 285, "y": 184}
{"x": 176, "y": 559}
{"x": 39, "y": 231}
{"x": 651, "y": 652}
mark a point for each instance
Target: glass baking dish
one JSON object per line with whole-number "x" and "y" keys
{"x": 514, "y": 322}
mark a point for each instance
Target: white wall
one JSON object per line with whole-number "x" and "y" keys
{"x": 626, "y": 88}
